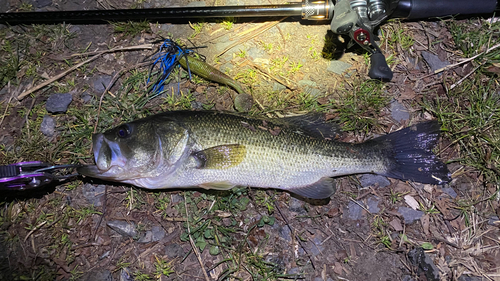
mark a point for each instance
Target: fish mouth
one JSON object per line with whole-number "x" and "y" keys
{"x": 89, "y": 170}
{"x": 107, "y": 154}
{"x": 109, "y": 161}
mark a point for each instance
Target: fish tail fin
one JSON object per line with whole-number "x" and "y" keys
{"x": 411, "y": 157}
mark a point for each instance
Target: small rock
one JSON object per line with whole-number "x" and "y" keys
{"x": 355, "y": 212}
{"x": 97, "y": 275}
{"x": 126, "y": 275}
{"x": 284, "y": 232}
{"x": 399, "y": 111}
{"x": 372, "y": 204}
{"x": 155, "y": 234}
{"x": 413, "y": 62}
{"x": 424, "y": 264}
{"x": 256, "y": 53}
{"x": 173, "y": 251}
{"x": 434, "y": 62}
{"x": 307, "y": 83}
{"x": 123, "y": 227}
{"x": 338, "y": 67}
{"x": 450, "y": 191}
{"x": 43, "y": 3}
{"x": 94, "y": 194}
{"x": 48, "y": 126}
{"x": 277, "y": 87}
{"x": 101, "y": 82}
{"x": 294, "y": 270}
{"x": 318, "y": 279}
{"x": 494, "y": 220}
{"x": 312, "y": 91}
{"x": 86, "y": 97}
{"x": 58, "y": 103}
{"x": 222, "y": 43}
{"x": 317, "y": 248}
{"x": 368, "y": 180}
{"x": 177, "y": 198}
{"x": 243, "y": 102}
{"x": 409, "y": 214}
{"x": 296, "y": 205}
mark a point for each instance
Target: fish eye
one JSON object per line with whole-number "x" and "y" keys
{"x": 123, "y": 131}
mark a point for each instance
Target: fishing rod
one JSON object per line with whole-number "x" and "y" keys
{"x": 356, "y": 18}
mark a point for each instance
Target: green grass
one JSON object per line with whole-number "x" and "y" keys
{"x": 396, "y": 35}
{"x": 131, "y": 28}
{"x": 10, "y": 61}
{"x": 359, "y": 105}
{"x": 470, "y": 118}
{"x": 473, "y": 38}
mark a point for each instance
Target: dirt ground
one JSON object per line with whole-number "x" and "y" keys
{"x": 373, "y": 228}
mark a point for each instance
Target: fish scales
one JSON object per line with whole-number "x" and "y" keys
{"x": 280, "y": 161}
{"x": 219, "y": 150}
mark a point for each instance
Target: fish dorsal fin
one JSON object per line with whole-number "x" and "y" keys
{"x": 312, "y": 124}
{"x": 324, "y": 188}
{"x": 221, "y": 156}
{"x": 218, "y": 185}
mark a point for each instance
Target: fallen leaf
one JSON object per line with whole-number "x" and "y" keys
{"x": 337, "y": 268}
{"x": 396, "y": 224}
{"x": 427, "y": 246}
{"x": 411, "y": 202}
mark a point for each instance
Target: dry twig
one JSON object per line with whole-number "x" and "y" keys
{"x": 261, "y": 29}
{"x": 64, "y": 73}
{"x": 192, "y": 242}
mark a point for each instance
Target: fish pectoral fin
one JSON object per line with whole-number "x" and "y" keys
{"x": 219, "y": 185}
{"x": 221, "y": 156}
{"x": 324, "y": 188}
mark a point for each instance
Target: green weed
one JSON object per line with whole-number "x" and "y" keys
{"x": 139, "y": 276}
{"x": 395, "y": 197}
{"x": 248, "y": 76}
{"x": 268, "y": 47}
{"x": 197, "y": 27}
{"x": 228, "y": 23}
{"x": 162, "y": 268}
{"x": 242, "y": 54}
{"x": 379, "y": 227}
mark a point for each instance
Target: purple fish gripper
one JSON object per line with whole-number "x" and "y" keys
{"x": 23, "y": 175}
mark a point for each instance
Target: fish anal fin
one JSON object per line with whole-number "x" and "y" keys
{"x": 324, "y": 188}
{"x": 221, "y": 156}
{"x": 218, "y": 185}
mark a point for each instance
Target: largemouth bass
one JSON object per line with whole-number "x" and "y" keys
{"x": 218, "y": 150}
